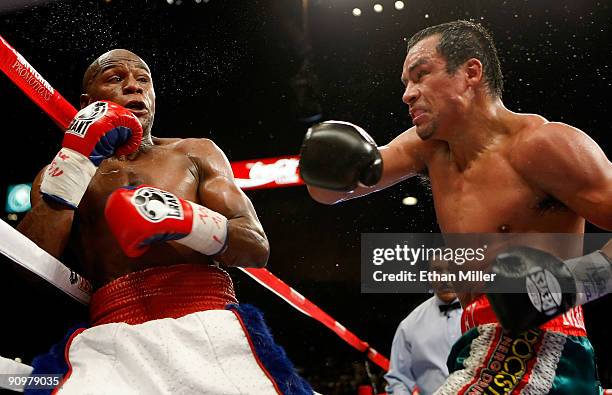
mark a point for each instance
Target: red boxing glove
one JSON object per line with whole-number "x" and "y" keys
{"x": 140, "y": 216}
{"x": 97, "y": 132}
{"x": 102, "y": 129}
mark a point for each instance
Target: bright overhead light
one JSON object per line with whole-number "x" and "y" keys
{"x": 399, "y": 5}
{"x": 409, "y": 201}
{"x": 378, "y": 8}
{"x": 356, "y": 11}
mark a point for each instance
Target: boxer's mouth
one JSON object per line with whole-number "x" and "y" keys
{"x": 416, "y": 112}
{"x": 136, "y": 107}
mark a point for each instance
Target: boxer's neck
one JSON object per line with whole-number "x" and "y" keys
{"x": 146, "y": 143}
{"x": 481, "y": 127}
{"x": 145, "y": 146}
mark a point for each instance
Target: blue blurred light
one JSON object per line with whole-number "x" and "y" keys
{"x": 18, "y": 198}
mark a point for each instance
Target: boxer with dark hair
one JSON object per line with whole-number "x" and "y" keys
{"x": 151, "y": 220}
{"x": 492, "y": 170}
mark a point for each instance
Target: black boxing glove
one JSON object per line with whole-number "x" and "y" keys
{"x": 547, "y": 286}
{"x": 338, "y": 155}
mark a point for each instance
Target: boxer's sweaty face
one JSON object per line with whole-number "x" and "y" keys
{"x": 431, "y": 93}
{"x": 122, "y": 77}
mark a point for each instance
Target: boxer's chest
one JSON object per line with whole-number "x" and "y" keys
{"x": 99, "y": 252}
{"x": 163, "y": 169}
{"x": 490, "y": 196}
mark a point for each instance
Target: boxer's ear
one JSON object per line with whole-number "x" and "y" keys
{"x": 85, "y": 100}
{"x": 473, "y": 71}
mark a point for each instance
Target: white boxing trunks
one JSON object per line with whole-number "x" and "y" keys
{"x": 147, "y": 339}
{"x": 207, "y": 352}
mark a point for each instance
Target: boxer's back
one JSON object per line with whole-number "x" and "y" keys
{"x": 165, "y": 165}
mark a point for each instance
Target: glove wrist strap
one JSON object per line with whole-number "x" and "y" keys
{"x": 593, "y": 275}
{"x": 208, "y": 231}
{"x": 67, "y": 177}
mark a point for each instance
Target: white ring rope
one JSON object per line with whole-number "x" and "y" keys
{"x": 9, "y": 367}
{"x": 27, "y": 254}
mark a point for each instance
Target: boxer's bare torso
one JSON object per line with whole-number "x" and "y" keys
{"x": 174, "y": 165}
{"x": 506, "y": 187}
{"x": 166, "y": 165}
{"x": 498, "y": 191}
{"x": 492, "y": 196}
{"x": 193, "y": 169}
{"x": 491, "y": 170}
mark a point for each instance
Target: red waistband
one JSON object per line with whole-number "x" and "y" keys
{"x": 480, "y": 312}
{"x": 162, "y": 292}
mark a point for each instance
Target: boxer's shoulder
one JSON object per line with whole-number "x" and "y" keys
{"x": 189, "y": 146}
{"x": 208, "y": 158}
{"x": 542, "y": 140}
{"x": 192, "y": 148}
{"x": 163, "y": 141}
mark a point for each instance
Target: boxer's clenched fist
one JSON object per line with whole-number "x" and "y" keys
{"x": 102, "y": 129}
{"x": 141, "y": 216}
{"x": 338, "y": 156}
{"x": 97, "y": 132}
{"x": 546, "y": 286}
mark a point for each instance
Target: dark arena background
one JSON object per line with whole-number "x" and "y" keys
{"x": 253, "y": 76}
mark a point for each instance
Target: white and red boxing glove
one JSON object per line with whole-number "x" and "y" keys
{"x": 140, "y": 216}
{"x": 97, "y": 132}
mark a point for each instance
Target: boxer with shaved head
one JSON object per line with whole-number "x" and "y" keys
{"x": 151, "y": 221}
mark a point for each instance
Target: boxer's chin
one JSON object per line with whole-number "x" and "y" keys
{"x": 146, "y": 121}
{"x": 426, "y": 130}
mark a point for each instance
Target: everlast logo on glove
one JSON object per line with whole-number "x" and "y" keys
{"x": 86, "y": 117}
{"x": 544, "y": 291}
{"x": 156, "y": 205}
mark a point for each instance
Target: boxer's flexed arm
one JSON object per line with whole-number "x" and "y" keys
{"x": 47, "y": 224}
{"x": 218, "y": 222}
{"x": 341, "y": 163}
{"x": 568, "y": 165}
{"x": 96, "y": 133}
{"x": 247, "y": 244}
